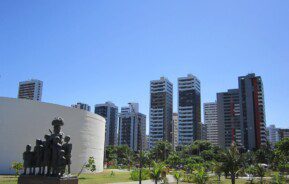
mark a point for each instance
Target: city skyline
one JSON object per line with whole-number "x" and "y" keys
{"x": 81, "y": 57}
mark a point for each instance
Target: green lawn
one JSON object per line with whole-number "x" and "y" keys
{"x": 104, "y": 177}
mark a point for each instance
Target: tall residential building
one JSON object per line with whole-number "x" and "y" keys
{"x": 31, "y": 89}
{"x": 110, "y": 112}
{"x": 132, "y": 128}
{"x": 215, "y": 130}
{"x": 228, "y": 110}
{"x": 175, "y": 130}
{"x": 273, "y": 134}
{"x": 82, "y": 106}
{"x": 252, "y": 108}
{"x": 161, "y": 110}
{"x": 189, "y": 109}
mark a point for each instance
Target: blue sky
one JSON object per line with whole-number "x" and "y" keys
{"x": 95, "y": 51}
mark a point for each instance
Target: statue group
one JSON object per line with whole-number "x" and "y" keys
{"x": 51, "y": 156}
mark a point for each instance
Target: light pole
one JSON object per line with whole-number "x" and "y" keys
{"x": 140, "y": 150}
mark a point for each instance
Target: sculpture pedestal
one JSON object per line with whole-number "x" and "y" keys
{"x": 26, "y": 179}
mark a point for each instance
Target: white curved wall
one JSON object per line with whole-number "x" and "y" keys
{"x": 23, "y": 121}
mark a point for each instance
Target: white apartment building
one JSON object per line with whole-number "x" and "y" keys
{"x": 215, "y": 131}
{"x": 31, "y": 89}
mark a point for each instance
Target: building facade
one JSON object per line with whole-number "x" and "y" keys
{"x": 252, "y": 107}
{"x": 215, "y": 130}
{"x": 82, "y": 106}
{"x": 132, "y": 128}
{"x": 161, "y": 110}
{"x": 228, "y": 110}
{"x": 273, "y": 134}
{"x": 189, "y": 109}
{"x": 175, "y": 130}
{"x": 31, "y": 90}
{"x": 110, "y": 112}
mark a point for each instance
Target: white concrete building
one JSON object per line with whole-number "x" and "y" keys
{"x": 215, "y": 130}
{"x": 23, "y": 121}
{"x": 31, "y": 89}
{"x": 273, "y": 134}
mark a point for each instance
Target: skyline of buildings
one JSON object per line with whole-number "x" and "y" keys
{"x": 82, "y": 106}
{"x": 237, "y": 115}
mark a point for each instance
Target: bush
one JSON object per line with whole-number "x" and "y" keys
{"x": 134, "y": 175}
{"x": 17, "y": 166}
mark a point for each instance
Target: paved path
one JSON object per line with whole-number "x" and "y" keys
{"x": 170, "y": 179}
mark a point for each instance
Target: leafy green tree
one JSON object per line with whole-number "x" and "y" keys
{"x": 17, "y": 166}
{"x": 161, "y": 151}
{"x": 158, "y": 172}
{"x": 232, "y": 161}
{"x": 173, "y": 160}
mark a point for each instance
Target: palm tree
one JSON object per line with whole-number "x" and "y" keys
{"x": 200, "y": 174}
{"x": 251, "y": 170}
{"x": 260, "y": 171}
{"x": 218, "y": 169}
{"x": 158, "y": 172}
{"x": 178, "y": 176}
{"x": 232, "y": 161}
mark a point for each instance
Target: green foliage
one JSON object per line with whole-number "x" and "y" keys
{"x": 278, "y": 178}
{"x": 178, "y": 176}
{"x": 260, "y": 172}
{"x": 232, "y": 160}
{"x": 90, "y": 165}
{"x": 173, "y": 160}
{"x": 145, "y": 174}
{"x": 158, "y": 172}
{"x": 161, "y": 151}
{"x": 200, "y": 174}
{"x": 17, "y": 166}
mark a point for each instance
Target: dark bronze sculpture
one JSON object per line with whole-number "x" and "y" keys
{"x": 51, "y": 156}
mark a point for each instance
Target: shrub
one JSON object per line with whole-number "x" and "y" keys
{"x": 17, "y": 166}
{"x": 134, "y": 175}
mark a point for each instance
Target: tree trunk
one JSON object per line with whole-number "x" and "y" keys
{"x": 233, "y": 178}
{"x": 219, "y": 179}
{"x": 156, "y": 182}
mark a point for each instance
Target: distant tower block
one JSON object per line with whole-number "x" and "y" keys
{"x": 31, "y": 90}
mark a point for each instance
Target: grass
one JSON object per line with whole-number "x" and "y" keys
{"x": 99, "y": 178}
